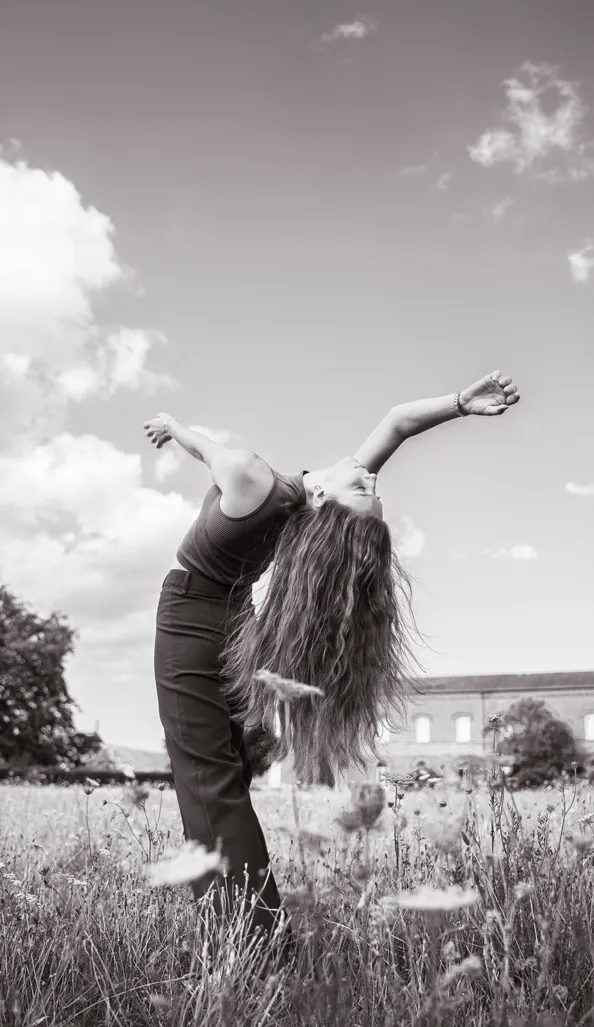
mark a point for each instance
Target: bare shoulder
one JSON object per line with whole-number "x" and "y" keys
{"x": 245, "y": 480}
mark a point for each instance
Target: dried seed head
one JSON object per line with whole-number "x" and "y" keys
{"x": 369, "y": 800}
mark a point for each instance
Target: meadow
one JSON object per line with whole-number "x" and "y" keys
{"x": 457, "y": 905}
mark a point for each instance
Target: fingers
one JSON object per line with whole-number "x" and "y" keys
{"x": 505, "y": 382}
{"x": 495, "y": 375}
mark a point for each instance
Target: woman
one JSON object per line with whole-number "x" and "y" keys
{"x": 333, "y": 617}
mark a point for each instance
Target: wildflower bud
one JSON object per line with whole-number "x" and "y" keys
{"x": 442, "y": 804}
{"x": 560, "y": 992}
{"x": 417, "y": 812}
{"x": 161, "y": 786}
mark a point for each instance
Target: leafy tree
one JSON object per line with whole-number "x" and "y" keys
{"x": 538, "y": 744}
{"x": 36, "y": 711}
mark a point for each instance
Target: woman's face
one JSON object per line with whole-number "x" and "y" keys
{"x": 351, "y": 484}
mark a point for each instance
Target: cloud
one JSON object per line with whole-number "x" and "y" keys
{"x": 358, "y": 29}
{"x": 500, "y": 209}
{"x": 579, "y": 490}
{"x": 581, "y": 263}
{"x": 410, "y": 540}
{"x": 521, "y": 553}
{"x": 444, "y": 181}
{"x": 57, "y": 257}
{"x": 81, "y": 534}
{"x": 535, "y": 135}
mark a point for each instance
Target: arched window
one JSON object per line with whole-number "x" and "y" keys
{"x": 422, "y": 729}
{"x": 462, "y": 727}
{"x": 589, "y": 727}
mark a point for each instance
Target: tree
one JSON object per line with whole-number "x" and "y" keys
{"x": 36, "y": 711}
{"x": 538, "y": 744}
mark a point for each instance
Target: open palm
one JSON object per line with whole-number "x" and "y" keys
{"x": 493, "y": 394}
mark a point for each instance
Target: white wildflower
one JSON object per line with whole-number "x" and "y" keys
{"x": 433, "y": 900}
{"x": 191, "y": 863}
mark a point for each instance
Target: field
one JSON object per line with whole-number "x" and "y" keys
{"x": 503, "y": 936}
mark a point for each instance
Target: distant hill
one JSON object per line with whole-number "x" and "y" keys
{"x": 140, "y": 759}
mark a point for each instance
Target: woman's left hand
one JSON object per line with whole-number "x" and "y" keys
{"x": 156, "y": 430}
{"x": 493, "y": 394}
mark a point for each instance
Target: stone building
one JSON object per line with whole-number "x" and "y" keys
{"x": 447, "y": 720}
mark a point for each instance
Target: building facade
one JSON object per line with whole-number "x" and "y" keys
{"x": 447, "y": 719}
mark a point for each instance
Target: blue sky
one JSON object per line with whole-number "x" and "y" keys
{"x": 278, "y": 221}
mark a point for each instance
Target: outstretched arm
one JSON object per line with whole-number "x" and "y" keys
{"x": 491, "y": 395}
{"x": 163, "y": 428}
{"x": 243, "y": 477}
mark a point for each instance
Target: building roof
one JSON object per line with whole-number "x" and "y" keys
{"x": 557, "y": 681}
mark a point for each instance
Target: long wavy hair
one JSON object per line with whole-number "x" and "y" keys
{"x": 337, "y": 614}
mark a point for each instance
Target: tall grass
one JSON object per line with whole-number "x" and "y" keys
{"x": 454, "y": 906}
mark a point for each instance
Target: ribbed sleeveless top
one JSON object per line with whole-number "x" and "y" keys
{"x": 236, "y": 550}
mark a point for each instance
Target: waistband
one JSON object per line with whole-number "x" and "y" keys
{"x": 193, "y": 581}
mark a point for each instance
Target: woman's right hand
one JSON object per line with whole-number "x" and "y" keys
{"x": 156, "y": 429}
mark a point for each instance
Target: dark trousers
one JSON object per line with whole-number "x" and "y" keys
{"x": 209, "y": 760}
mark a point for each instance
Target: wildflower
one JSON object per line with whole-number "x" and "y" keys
{"x": 190, "y": 864}
{"x": 442, "y": 804}
{"x": 522, "y": 890}
{"x": 369, "y": 799}
{"x": 349, "y": 820}
{"x": 560, "y": 992}
{"x": 433, "y": 900}
{"x": 286, "y": 689}
{"x": 470, "y": 965}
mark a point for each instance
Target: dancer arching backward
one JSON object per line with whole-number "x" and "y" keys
{"x": 334, "y": 616}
